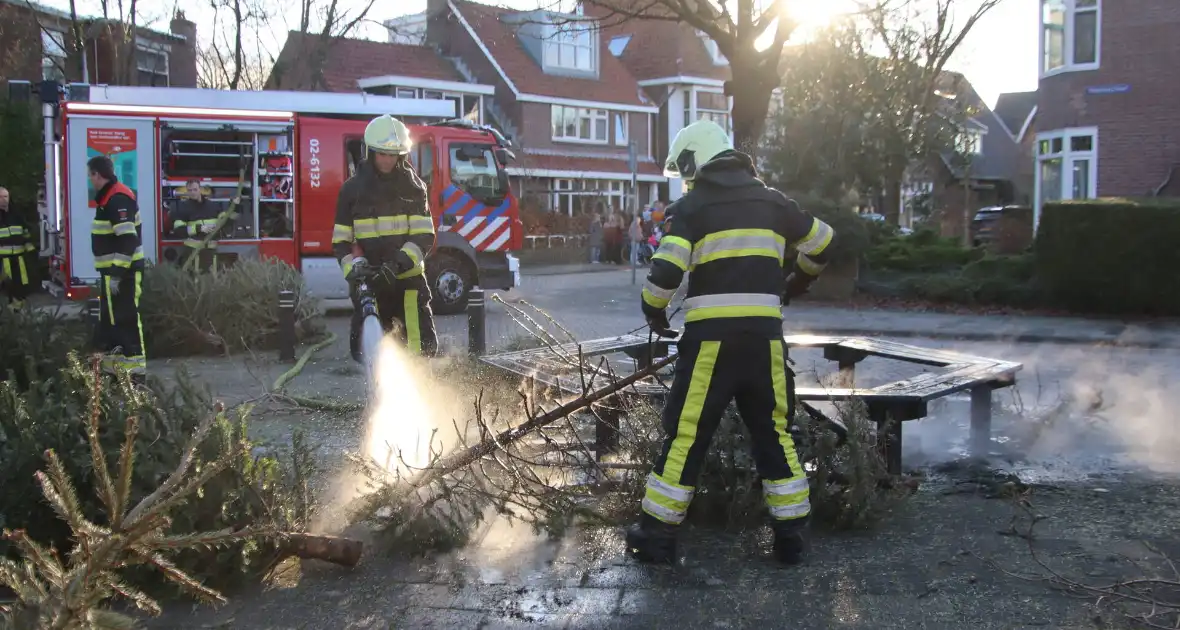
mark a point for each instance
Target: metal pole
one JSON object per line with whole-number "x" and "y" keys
{"x": 286, "y": 326}
{"x": 632, "y": 161}
{"x": 476, "y": 321}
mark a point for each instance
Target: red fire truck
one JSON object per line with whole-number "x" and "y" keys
{"x": 291, "y": 163}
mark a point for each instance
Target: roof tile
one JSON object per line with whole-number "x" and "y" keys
{"x": 349, "y": 60}
{"x": 613, "y": 85}
{"x": 662, "y": 48}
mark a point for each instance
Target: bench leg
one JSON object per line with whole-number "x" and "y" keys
{"x": 981, "y": 421}
{"x": 888, "y": 438}
{"x": 847, "y": 378}
{"x": 606, "y": 428}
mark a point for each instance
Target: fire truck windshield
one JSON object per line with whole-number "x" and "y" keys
{"x": 474, "y": 170}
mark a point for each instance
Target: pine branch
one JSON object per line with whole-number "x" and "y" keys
{"x": 126, "y": 466}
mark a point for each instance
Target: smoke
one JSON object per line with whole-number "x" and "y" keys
{"x": 1076, "y": 411}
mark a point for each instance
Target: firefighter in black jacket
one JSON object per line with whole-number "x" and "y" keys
{"x": 195, "y": 217}
{"x": 384, "y": 230}
{"x": 16, "y": 243}
{"x": 118, "y": 257}
{"x": 731, "y": 234}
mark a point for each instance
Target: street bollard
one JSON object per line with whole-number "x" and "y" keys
{"x": 286, "y": 326}
{"x": 94, "y": 310}
{"x": 477, "y": 344}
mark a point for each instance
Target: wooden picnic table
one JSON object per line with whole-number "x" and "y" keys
{"x": 889, "y": 406}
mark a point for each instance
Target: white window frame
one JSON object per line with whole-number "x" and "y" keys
{"x": 143, "y": 45}
{"x": 969, "y": 142}
{"x": 563, "y": 43}
{"x": 565, "y": 190}
{"x": 405, "y": 92}
{"x": 693, "y": 113}
{"x": 53, "y": 54}
{"x": 1068, "y": 158}
{"x": 1071, "y": 11}
{"x": 583, "y": 113}
{"x": 622, "y": 128}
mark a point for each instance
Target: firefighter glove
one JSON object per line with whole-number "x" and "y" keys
{"x": 658, "y": 322}
{"x": 797, "y": 284}
{"x": 360, "y": 268}
{"x": 114, "y": 286}
{"x": 402, "y": 262}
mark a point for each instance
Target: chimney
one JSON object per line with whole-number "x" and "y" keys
{"x": 182, "y": 60}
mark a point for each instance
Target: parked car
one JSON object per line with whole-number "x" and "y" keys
{"x": 984, "y": 223}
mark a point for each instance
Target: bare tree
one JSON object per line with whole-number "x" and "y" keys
{"x": 916, "y": 39}
{"x": 234, "y": 57}
{"x": 321, "y": 23}
{"x": 734, "y": 26}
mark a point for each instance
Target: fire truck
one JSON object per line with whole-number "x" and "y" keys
{"x": 288, "y": 153}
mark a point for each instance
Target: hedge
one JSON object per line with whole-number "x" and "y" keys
{"x": 1117, "y": 256}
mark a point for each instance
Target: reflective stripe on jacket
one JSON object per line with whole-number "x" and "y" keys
{"x": 732, "y": 234}
{"x": 115, "y": 232}
{"x": 384, "y": 214}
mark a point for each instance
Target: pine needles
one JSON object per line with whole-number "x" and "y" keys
{"x": 74, "y": 591}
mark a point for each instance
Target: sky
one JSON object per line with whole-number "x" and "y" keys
{"x": 1000, "y": 54}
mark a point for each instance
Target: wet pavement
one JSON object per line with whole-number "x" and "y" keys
{"x": 1094, "y": 423}
{"x": 939, "y": 562}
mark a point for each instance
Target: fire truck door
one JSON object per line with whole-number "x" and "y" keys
{"x": 131, "y": 145}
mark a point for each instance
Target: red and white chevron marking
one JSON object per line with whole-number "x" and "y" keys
{"x": 484, "y": 235}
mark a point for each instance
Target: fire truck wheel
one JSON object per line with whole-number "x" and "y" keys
{"x": 450, "y": 281}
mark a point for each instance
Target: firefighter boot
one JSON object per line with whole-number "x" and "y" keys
{"x": 790, "y": 541}
{"x": 652, "y": 540}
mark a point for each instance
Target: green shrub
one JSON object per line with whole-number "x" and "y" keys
{"x": 923, "y": 250}
{"x": 228, "y": 310}
{"x": 53, "y": 414}
{"x": 992, "y": 280}
{"x": 36, "y": 343}
{"x": 852, "y": 235}
{"x": 1111, "y": 255}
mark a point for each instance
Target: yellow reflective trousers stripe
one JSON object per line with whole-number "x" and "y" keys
{"x": 690, "y": 414}
{"x": 21, "y": 270}
{"x": 786, "y": 498}
{"x": 413, "y": 331}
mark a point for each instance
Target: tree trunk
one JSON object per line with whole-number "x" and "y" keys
{"x": 892, "y": 209}
{"x": 751, "y": 90}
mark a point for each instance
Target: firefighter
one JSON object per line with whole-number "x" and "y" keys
{"x": 196, "y": 216}
{"x": 118, "y": 256}
{"x": 383, "y": 210}
{"x": 731, "y": 234}
{"x": 16, "y": 242}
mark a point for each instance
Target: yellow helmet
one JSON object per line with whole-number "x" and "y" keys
{"x": 386, "y": 134}
{"x": 693, "y": 147}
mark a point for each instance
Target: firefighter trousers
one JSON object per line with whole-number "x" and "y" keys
{"x": 751, "y": 371}
{"x": 406, "y": 301}
{"x": 16, "y": 285}
{"x": 119, "y": 334}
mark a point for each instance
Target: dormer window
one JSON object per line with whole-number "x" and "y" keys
{"x": 571, "y": 46}
{"x": 714, "y": 53}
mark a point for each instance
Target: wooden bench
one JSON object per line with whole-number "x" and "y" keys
{"x": 889, "y": 405}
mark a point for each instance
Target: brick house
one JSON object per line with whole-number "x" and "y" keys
{"x": 547, "y": 81}
{"x": 34, "y": 45}
{"x": 356, "y": 65}
{"x": 680, "y": 70}
{"x": 983, "y": 169}
{"x": 1106, "y": 121}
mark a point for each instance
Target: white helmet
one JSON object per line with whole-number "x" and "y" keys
{"x": 386, "y": 134}
{"x": 693, "y": 147}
